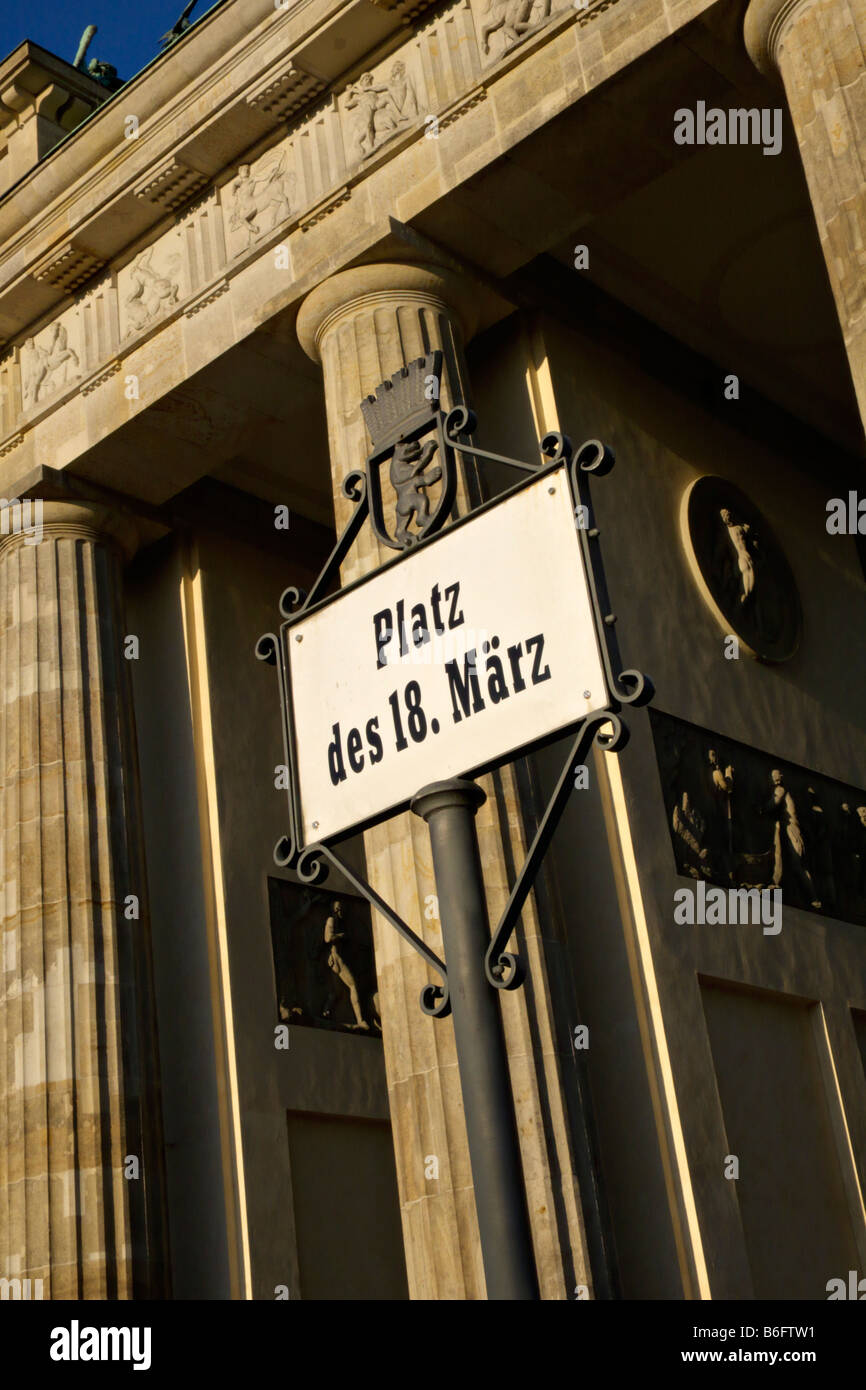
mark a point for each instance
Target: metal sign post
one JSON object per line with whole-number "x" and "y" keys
{"x": 515, "y": 591}
{"x": 494, "y": 1150}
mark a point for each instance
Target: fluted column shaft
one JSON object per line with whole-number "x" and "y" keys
{"x": 363, "y": 325}
{"x": 70, "y": 965}
{"x": 818, "y": 47}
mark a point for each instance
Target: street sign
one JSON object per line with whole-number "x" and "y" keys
{"x": 481, "y": 641}
{"x": 472, "y": 646}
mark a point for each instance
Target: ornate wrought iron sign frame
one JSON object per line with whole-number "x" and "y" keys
{"x": 404, "y": 411}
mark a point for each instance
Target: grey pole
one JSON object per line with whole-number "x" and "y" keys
{"x": 503, "y": 1222}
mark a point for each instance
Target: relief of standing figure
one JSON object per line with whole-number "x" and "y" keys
{"x": 402, "y": 92}
{"x": 334, "y": 937}
{"x": 744, "y": 545}
{"x": 49, "y": 360}
{"x": 410, "y": 482}
{"x": 789, "y": 846}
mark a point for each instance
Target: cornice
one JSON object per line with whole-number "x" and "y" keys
{"x": 200, "y": 106}
{"x": 156, "y": 239}
{"x": 30, "y": 71}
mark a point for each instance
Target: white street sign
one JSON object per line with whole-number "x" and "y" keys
{"x": 474, "y": 646}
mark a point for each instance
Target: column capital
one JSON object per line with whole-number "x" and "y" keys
{"x": 89, "y": 521}
{"x": 444, "y": 796}
{"x": 764, "y": 27}
{"x": 367, "y": 286}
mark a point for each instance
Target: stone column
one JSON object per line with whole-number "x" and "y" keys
{"x": 363, "y": 325}
{"x": 817, "y": 48}
{"x": 76, "y": 1064}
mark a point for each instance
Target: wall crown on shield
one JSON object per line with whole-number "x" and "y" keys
{"x": 403, "y": 403}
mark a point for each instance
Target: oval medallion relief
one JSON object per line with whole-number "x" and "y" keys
{"x": 741, "y": 569}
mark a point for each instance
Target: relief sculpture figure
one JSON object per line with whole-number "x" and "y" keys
{"x": 402, "y": 92}
{"x": 334, "y": 937}
{"x": 152, "y": 292}
{"x": 744, "y": 545}
{"x": 382, "y": 109}
{"x": 514, "y": 18}
{"x": 50, "y": 366}
{"x": 256, "y": 195}
{"x": 410, "y": 481}
{"x": 690, "y": 826}
{"x": 789, "y": 845}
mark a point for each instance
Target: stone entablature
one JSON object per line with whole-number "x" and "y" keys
{"x": 368, "y": 129}
{"x": 42, "y": 99}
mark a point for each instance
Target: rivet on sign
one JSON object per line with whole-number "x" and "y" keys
{"x": 315, "y": 825}
{"x": 551, "y": 490}
{"x": 299, "y": 637}
{"x": 587, "y": 694}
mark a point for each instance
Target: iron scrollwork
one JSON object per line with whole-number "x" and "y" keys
{"x": 504, "y": 969}
{"x": 403, "y": 412}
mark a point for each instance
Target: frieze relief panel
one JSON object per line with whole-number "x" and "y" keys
{"x": 438, "y": 71}
{"x": 502, "y": 25}
{"x": 259, "y": 198}
{"x": 150, "y": 286}
{"x": 51, "y": 360}
{"x": 387, "y": 101}
{"x": 739, "y": 817}
{"x": 324, "y": 968}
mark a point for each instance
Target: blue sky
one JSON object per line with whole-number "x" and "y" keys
{"x": 129, "y": 30}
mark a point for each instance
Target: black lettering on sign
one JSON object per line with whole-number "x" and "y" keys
{"x": 454, "y": 618}
{"x": 336, "y": 766}
{"x": 435, "y": 600}
{"x": 514, "y": 655}
{"x": 383, "y": 633}
{"x": 462, "y": 688}
{"x": 497, "y": 686}
{"x": 353, "y": 749}
{"x": 374, "y": 740}
{"x": 537, "y": 643}
{"x": 420, "y": 635}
